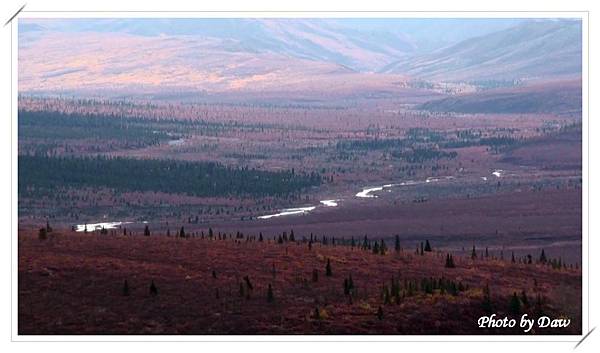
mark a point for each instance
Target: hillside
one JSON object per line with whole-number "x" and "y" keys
{"x": 362, "y": 44}
{"x": 145, "y": 57}
{"x": 74, "y": 283}
{"x": 531, "y": 50}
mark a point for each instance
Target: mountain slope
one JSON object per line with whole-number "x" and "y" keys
{"x": 312, "y": 39}
{"x": 332, "y": 55}
{"x": 359, "y": 43}
{"x": 124, "y": 64}
{"x": 532, "y": 50}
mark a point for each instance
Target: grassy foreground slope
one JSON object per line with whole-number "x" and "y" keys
{"x": 73, "y": 283}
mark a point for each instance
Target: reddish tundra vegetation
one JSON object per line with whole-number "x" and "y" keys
{"x": 212, "y": 283}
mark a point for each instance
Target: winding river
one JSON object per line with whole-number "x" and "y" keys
{"x": 90, "y": 227}
{"x": 365, "y": 193}
{"x": 289, "y": 211}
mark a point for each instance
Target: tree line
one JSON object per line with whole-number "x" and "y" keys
{"x": 203, "y": 179}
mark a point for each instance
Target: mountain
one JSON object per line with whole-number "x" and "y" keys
{"x": 335, "y": 56}
{"x": 357, "y": 43}
{"x": 108, "y": 62}
{"x": 530, "y": 50}
{"x": 312, "y": 39}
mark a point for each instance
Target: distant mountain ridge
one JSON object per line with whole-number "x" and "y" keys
{"x": 531, "y": 50}
{"x": 359, "y": 44}
{"x": 333, "y": 55}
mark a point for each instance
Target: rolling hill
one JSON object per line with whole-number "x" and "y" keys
{"x": 128, "y": 57}
{"x": 531, "y": 50}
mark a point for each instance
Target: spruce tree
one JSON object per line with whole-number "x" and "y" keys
{"x": 249, "y": 284}
{"x": 427, "y": 246}
{"x": 515, "y": 304}
{"x": 386, "y": 294}
{"x": 376, "y": 248}
{"x": 270, "y": 296}
{"x": 125, "y": 288}
{"x": 539, "y": 307}
{"x": 328, "y": 272}
{"x": 543, "y": 258}
{"x": 396, "y": 291}
{"x": 380, "y": 313}
{"x": 487, "y": 300}
{"x": 153, "y": 289}
{"x": 43, "y": 234}
{"x": 382, "y": 247}
{"x": 146, "y": 231}
{"x": 397, "y": 245}
{"x": 473, "y": 253}
{"x": 453, "y": 289}
{"x": 524, "y": 299}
